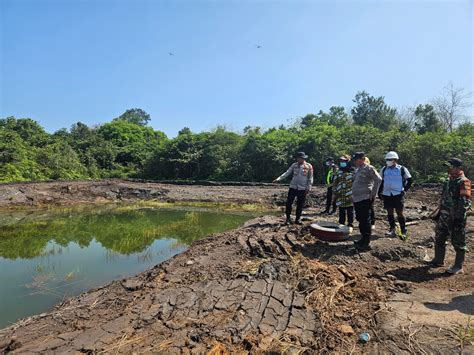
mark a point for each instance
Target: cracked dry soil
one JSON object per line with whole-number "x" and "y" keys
{"x": 266, "y": 288}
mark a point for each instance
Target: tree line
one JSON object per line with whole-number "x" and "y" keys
{"x": 424, "y": 136}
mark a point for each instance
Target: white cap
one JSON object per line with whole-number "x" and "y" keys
{"x": 391, "y": 155}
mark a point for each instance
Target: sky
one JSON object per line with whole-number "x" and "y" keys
{"x": 80, "y": 60}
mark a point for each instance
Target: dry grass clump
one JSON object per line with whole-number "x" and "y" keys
{"x": 344, "y": 301}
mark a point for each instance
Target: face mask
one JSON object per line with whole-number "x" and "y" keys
{"x": 343, "y": 164}
{"x": 328, "y": 163}
{"x": 389, "y": 163}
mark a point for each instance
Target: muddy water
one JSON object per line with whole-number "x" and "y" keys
{"x": 46, "y": 256}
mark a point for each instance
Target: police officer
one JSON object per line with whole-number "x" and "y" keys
{"x": 452, "y": 216}
{"x": 300, "y": 185}
{"x": 364, "y": 189}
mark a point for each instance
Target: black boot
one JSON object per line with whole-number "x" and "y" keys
{"x": 363, "y": 243}
{"x": 457, "y": 267}
{"x": 440, "y": 252}
{"x": 298, "y": 219}
{"x": 403, "y": 224}
{"x": 403, "y": 229}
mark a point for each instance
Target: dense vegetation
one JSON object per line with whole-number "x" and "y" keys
{"x": 424, "y": 136}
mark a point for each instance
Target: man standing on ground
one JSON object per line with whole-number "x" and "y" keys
{"x": 342, "y": 191}
{"x": 364, "y": 189}
{"x": 452, "y": 216}
{"x": 372, "y": 210}
{"x": 396, "y": 180}
{"x": 300, "y": 185}
{"x": 331, "y": 172}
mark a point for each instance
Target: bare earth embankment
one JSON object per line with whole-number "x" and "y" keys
{"x": 80, "y": 192}
{"x": 260, "y": 288}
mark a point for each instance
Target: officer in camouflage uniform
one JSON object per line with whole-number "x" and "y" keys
{"x": 452, "y": 216}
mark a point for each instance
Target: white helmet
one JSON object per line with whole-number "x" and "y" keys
{"x": 391, "y": 155}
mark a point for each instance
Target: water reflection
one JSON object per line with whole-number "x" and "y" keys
{"x": 124, "y": 232}
{"x": 46, "y": 256}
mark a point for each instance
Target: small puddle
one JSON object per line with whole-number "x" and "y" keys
{"x": 47, "y": 256}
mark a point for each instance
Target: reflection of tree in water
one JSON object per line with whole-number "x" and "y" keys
{"x": 121, "y": 232}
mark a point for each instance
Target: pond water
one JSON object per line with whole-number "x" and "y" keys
{"x": 46, "y": 256}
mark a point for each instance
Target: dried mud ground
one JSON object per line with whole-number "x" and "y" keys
{"x": 67, "y": 193}
{"x": 269, "y": 288}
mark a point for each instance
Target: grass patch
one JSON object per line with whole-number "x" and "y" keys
{"x": 464, "y": 334}
{"x": 226, "y": 207}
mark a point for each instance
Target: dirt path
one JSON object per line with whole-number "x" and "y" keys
{"x": 268, "y": 287}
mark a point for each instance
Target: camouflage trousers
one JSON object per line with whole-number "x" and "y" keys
{"x": 449, "y": 226}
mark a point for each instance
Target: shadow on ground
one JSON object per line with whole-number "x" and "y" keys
{"x": 418, "y": 274}
{"x": 463, "y": 304}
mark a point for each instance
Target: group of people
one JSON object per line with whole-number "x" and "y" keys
{"x": 390, "y": 184}
{"x": 353, "y": 185}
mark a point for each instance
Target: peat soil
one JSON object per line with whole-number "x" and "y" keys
{"x": 66, "y": 193}
{"x": 270, "y": 288}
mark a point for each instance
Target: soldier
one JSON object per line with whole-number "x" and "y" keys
{"x": 452, "y": 216}
{"x": 300, "y": 185}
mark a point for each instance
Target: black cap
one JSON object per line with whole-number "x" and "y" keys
{"x": 301, "y": 155}
{"x": 358, "y": 155}
{"x": 454, "y": 163}
{"x": 330, "y": 159}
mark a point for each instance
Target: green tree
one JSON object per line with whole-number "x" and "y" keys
{"x": 59, "y": 161}
{"x": 427, "y": 119}
{"x": 373, "y": 111}
{"x": 136, "y": 116}
{"x": 133, "y": 143}
{"x": 220, "y": 155}
{"x": 17, "y": 159}
{"x": 184, "y": 131}
{"x": 208, "y": 155}
{"x": 29, "y": 130}
{"x": 425, "y": 154}
{"x": 262, "y": 157}
{"x": 320, "y": 141}
{"x": 178, "y": 158}
{"x": 337, "y": 116}
{"x": 97, "y": 154}
{"x": 308, "y": 120}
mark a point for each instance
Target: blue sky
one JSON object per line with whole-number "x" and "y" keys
{"x": 88, "y": 61}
